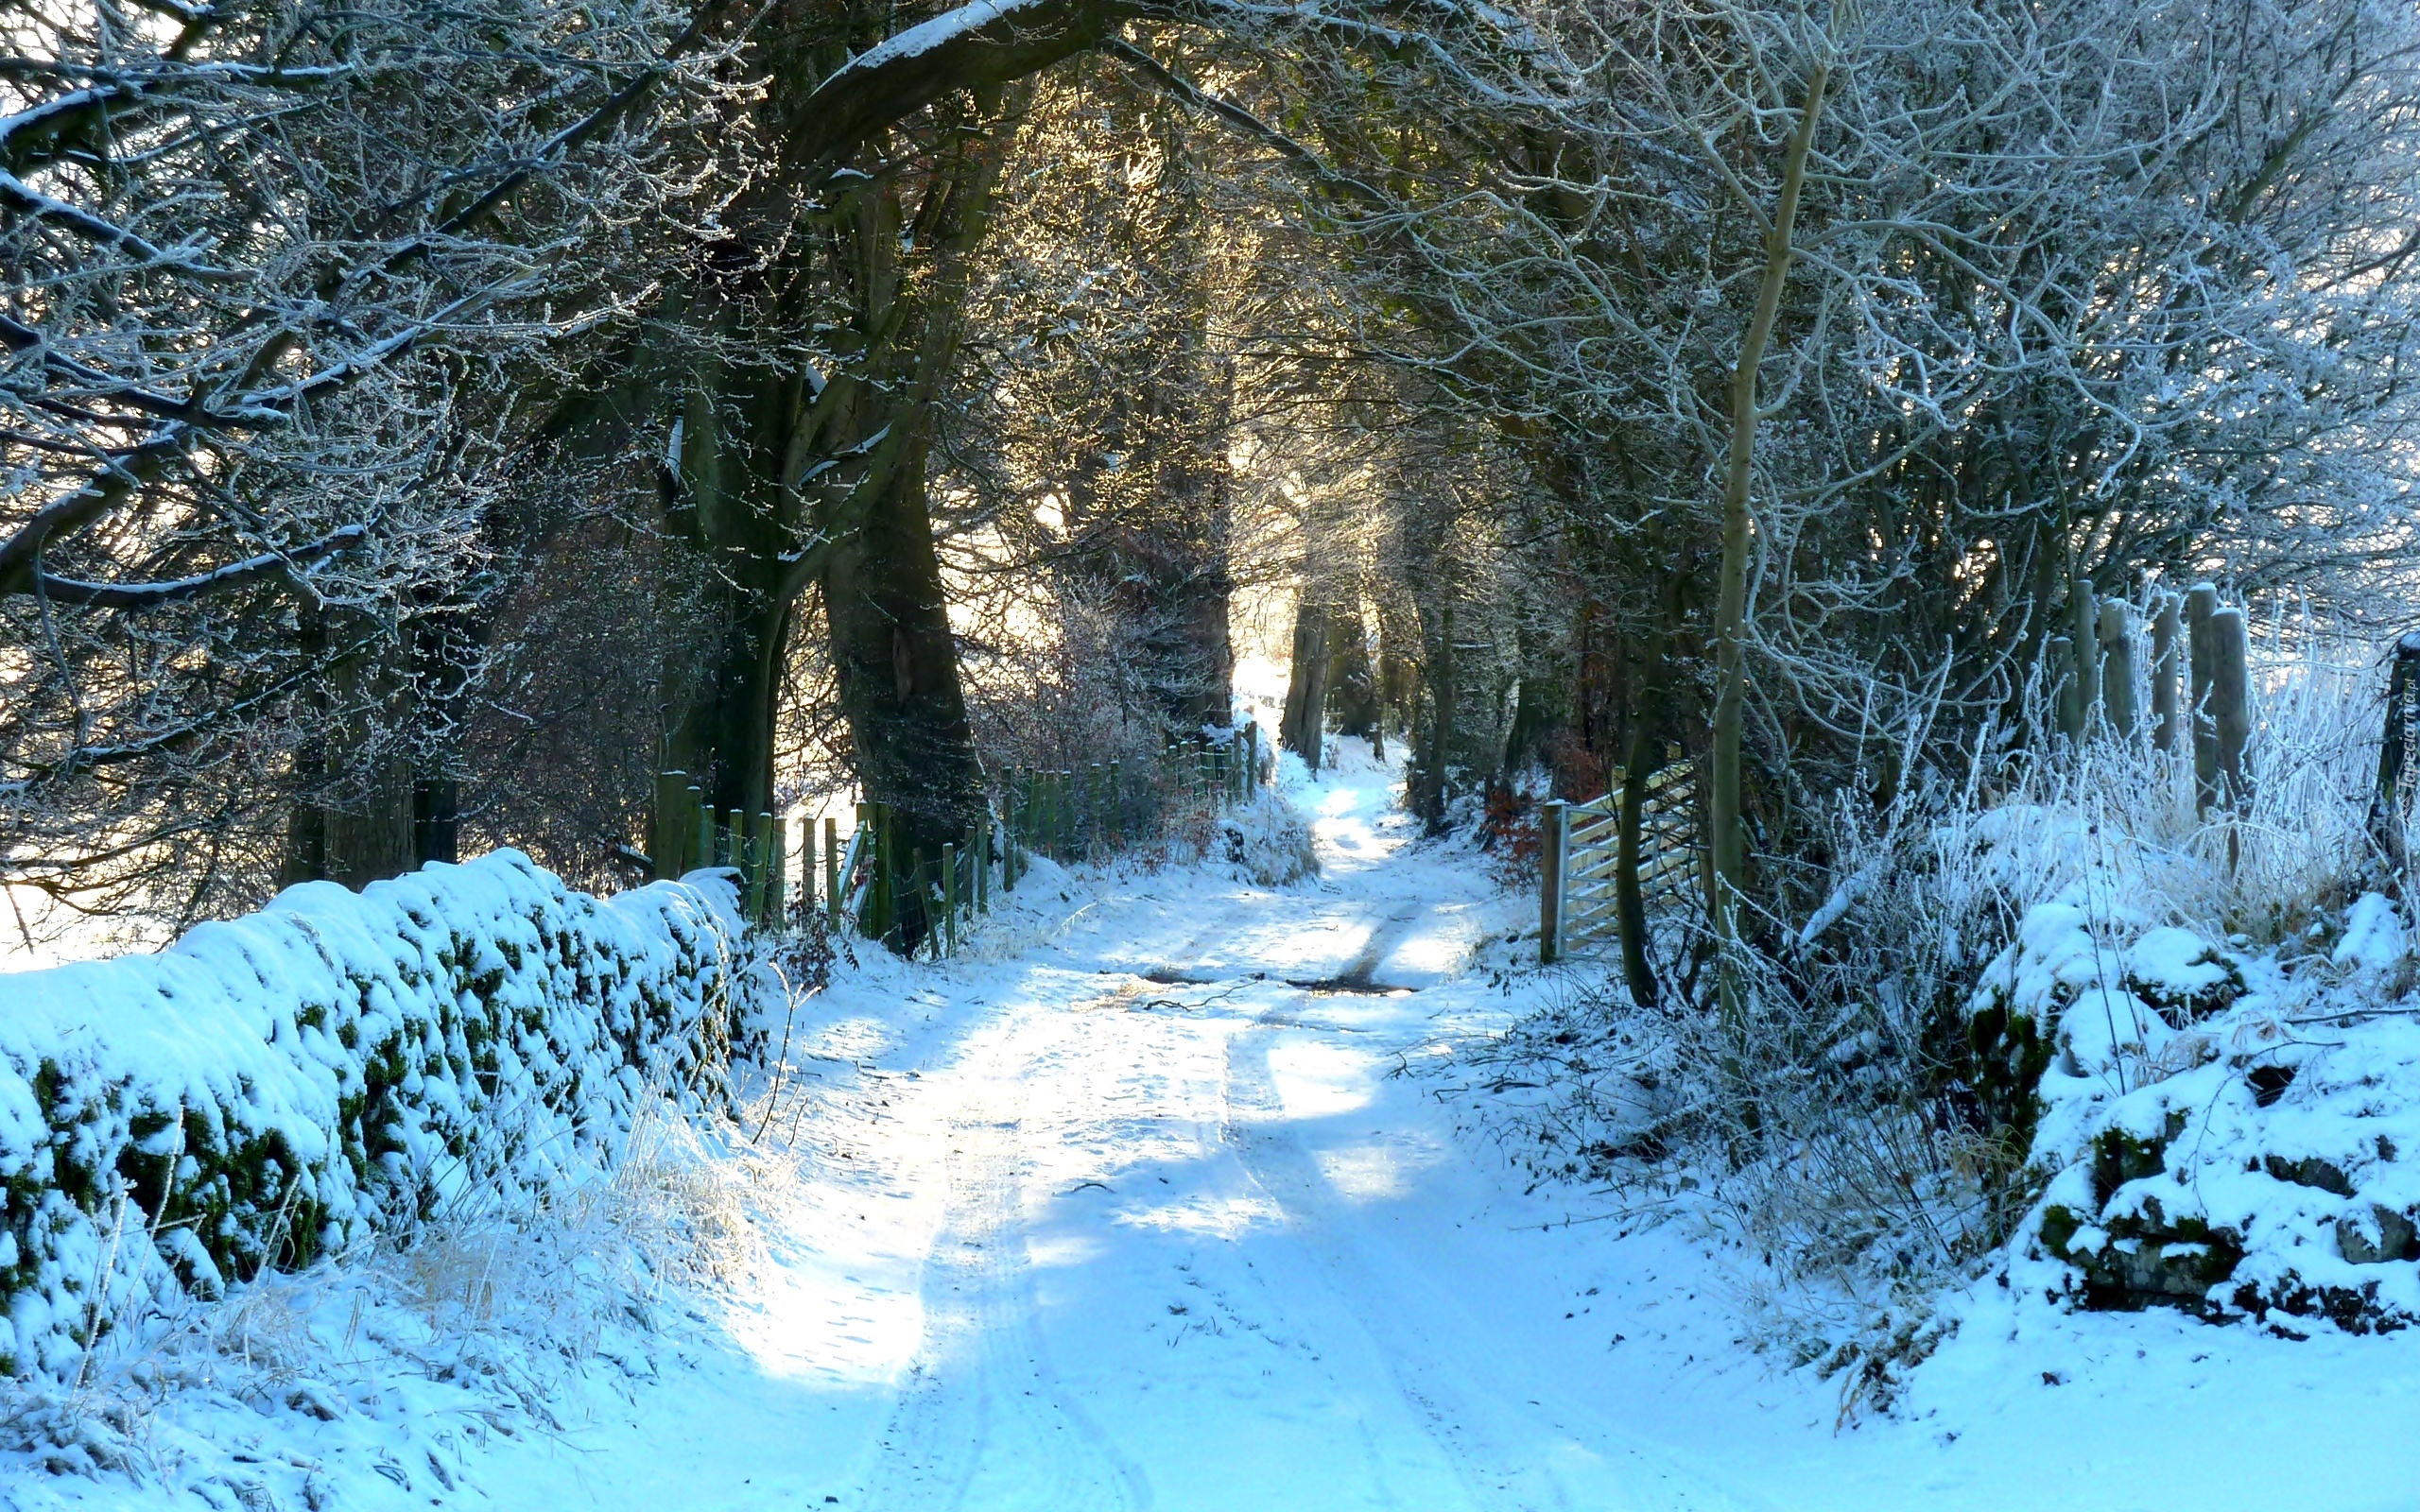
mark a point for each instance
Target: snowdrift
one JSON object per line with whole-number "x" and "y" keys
{"x": 273, "y": 1088}
{"x": 2234, "y": 1132}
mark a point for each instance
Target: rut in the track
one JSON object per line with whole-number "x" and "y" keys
{"x": 1492, "y": 1475}
{"x": 980, "y": 1420}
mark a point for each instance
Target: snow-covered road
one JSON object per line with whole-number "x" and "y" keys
{"x": 1133, "y": 1206}
{"x": 1135, "y": 1214}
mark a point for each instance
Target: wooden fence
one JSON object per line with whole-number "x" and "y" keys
{"x": 865, "y": 881}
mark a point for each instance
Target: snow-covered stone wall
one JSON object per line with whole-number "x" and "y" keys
{"x": 274, "y": 1087}
{"x": 2229, "y": 1130}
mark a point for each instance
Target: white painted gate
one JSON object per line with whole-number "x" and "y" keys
{"x": 1576, "y": 892}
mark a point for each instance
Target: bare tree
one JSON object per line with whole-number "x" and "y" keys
{"x": 275, "y": 276}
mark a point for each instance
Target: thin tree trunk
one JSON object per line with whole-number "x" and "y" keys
{"x": 1630, "y": 904}
{"x": 1728, "y": 836}
{"x": 306, "y": 831}
{"x": 1398, "y": 673}
{"x": 1649, "y": 710}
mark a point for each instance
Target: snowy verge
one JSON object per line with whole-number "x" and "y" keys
{"x": 1267, "y": 840}
{"x": 284, "y": 1085}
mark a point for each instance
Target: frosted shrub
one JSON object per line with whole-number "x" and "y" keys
{"x": 1871, "y": 1120}
{"x": 1267, "y": 840}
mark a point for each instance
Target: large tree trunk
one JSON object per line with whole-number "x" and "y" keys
{"x": 1437, "y": 751}
{"x": 1198, "y": 603}
{"x": 1352, "y": 681}
{"x": 898, "y": 665}
{"x": 1304, "y": 721}
{"x": 371, "y": 838}
{"x": 351, "y": 820}
{"x": 883, "y": 600}
{"x": 1209, "y": 646}
{"x": 785, "y": 480}
{"x": 1183, "y": 594}
{"x": 736, "y": 422}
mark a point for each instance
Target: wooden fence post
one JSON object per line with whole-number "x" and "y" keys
{"x": 886, "y": 872}
{"x": 835, "y": 885}
{"x": 1554, "y": 855}
{"x": 2394, "y": 744}
{"x": 806, "y": 869}
{"x": 743, "y": 858}
{"x": 2167, "y": 665}
{"x": 770, "y": 859}
{"x": 869, "y": 837}
{"x": 2117, "y": 666}
{"x": 2202, "y": 651}
{"x": 949, "y": 896}
{"x": 1251, "y": 754}
{"x": 983, "y": 863}
{"x": 2231, "y": 701}
{"x": 750, "y": 855}
{"x": 1093, "y": 805}
{"x": 2084, "y": 613}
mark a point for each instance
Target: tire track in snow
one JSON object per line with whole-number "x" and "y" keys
{"x": 1490, "y": 1475}
{"x": 981, "y": 1421}
{"x": 1439, "y": 1368}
